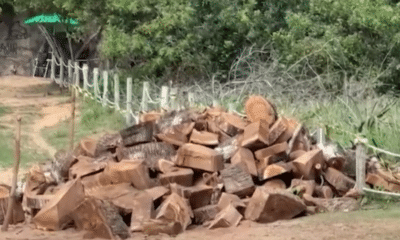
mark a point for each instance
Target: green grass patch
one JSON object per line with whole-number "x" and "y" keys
{"x": 94, "y": 119}
{"x": 4, "y": 110}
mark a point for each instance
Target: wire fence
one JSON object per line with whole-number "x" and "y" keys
{"x": 105, "y": 88}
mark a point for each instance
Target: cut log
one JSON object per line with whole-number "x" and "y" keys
{"x": 274, "y": 170}
{"x": 342, "y": 204}
{"x": 227, "y": 199}
{"x": 256, "y": 135}
{"x": 198, "y": 196}
{"x": 174, "y": 138}
{"x": 339, "y": 181}
{"x": 150, "y": 152}
{"x": 204, "y": 138}
{"x": 229, "y": 147}
{"x": 199, "y": 157}
{"x": 135, "y": 172}
{"x": 137, "y": 134}
{"x": 56, "y": 213}
{"x": 245, "y": 156}
{"x": 17, "y": 215}
{"x": 205, "y": 214}
{"x": 88, "y": 146}
{"x": 309, "y": 185}
{"x": 291, "y": 126}
{"x": 271, "y": 205}
{"x": 107, "y": 143}
{"x": 305, "y": 164}
{"x": 182, "y": 176}
{"x": 175, "y": 209}
{"x": 237, "y": 181}
{"x": 276, "y": 130}
{"x": 231, "y": 124}
{"x": 276, "y": 149}
{"x": 85, "y": 166}
{"x": 156, "y": 227}
{"x": 275, "y": 184}
{"x": 228, "y": 217}
{"x": 100, "y": 219}
{"x": 258, "y": 108}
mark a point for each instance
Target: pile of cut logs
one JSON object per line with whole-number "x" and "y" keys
{"x": 210, "y": 168}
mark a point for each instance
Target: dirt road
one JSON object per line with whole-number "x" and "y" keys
{"x": 27, "y": 97}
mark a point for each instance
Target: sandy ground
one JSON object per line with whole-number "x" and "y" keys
{"x": 26, "y": 97}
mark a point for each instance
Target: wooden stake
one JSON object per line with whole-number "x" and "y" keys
{"x": 72, "y": 133}
{"x": 11, "y": 199}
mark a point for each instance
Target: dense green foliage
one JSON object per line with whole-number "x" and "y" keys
{"x": 195, "y": 38}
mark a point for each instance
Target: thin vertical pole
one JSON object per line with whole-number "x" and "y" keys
{"x": 11, "y": 199}
{"x": 129, "y": 101}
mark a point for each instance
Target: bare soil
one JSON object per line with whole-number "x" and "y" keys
{"x": 25, "y": 96}
{"x": 29, "y": 98}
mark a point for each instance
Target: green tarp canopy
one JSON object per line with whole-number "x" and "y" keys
{"x": 52, "y": 21}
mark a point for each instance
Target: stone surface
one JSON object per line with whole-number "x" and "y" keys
{"x": 199, "y": 157}
{"x": 237, "y": 181}
{"x": 245, "y": 156}
{"x": 182, "y": 176}
{"x": 204, "y": 138}
{"x": 272, "y": 205}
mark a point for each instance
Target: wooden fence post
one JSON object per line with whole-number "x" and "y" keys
{"x": 95, "y": 82}
{"x": 69, "y": 70}
{"x": 11, "y": 199}
{"x": 172, "y": 95}
{"x": 53, "y": 67}
{"x": 360, "y": 167}
{"x": 77, "y": 78}
{"x": 116, "y": 91}
{"x": 61, "y": 70}
{"x": 105, "y": 87}
{"x": 144, "y": 96}
{"x": 85, "y": 71}
{"x": 129, "y": 101}
{"x": 164, "y": 97}
{"x": 230, "y": 107}
{"x": 191, "y": 99}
